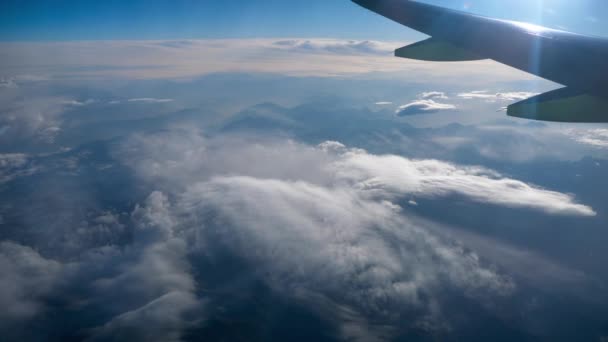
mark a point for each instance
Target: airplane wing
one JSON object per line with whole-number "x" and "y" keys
{"x": 578, "y": 62}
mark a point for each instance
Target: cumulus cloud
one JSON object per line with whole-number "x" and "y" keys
{"x": 423, "y": 107}
{"x": 326, "y": 222}
{"x": 26, "y": 278}
{"x": 150, "y": 295}
{"x": 313, "y": 223}
{"x": 37, "y": 118}
{"x": 330, "y": 241}
{"x": 145, "y": 290}
{"x": 301, "y": 222}
{"x": 156, "y": 275}
{"x": 506, "y": 96}
{"x": 159, "y": 320}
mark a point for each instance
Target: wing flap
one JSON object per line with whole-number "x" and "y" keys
{"x": 562, "y": 105}
{"x": 436, "y": 50}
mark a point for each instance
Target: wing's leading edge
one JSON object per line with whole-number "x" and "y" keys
{"x": 576, "y": 61}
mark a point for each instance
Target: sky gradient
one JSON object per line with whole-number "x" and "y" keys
{"x": 181, "y": 19}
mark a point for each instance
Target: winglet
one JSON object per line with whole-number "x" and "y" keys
{"x": 562, "y": 105}
{"x": 437, "y": 51}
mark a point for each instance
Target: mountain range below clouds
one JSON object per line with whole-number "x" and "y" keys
{"x": 254, "y": 200}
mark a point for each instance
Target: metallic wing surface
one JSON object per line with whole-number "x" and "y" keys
{"x": 578, "y": 62}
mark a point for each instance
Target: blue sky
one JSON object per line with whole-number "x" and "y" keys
{"x": 178, "y": 19}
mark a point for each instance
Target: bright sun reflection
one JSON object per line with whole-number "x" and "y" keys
{"x": 532, "y": 28}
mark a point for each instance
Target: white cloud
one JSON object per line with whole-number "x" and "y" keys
{"x": 144, "y": 100}
{"x": 27, "y": 120}
{"x": 324, "y": 221}
{"x": 503, "y": 96}
{"x": 593, "y": 137}
{"x": 149, "y": 286}
{"x": 425, "y": 104}
{"x": 77, "y": 103}
{"x": 37, "y": 118}
{"x": 383, "y": 103}
{"x": 332, "y": 242}
{"x": 433, "y": 95}
{"x": 14, "y": 165}
{"x": 396, "y": 176}
{"x": 423, "y": 107}
{"x": 159, "y": 320}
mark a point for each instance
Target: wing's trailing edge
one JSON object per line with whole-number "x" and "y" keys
{"x": 578, "y": 62}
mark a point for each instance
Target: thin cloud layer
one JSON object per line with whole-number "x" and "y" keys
{"x": 149, "y": 100}
{"x": 485, "y": 95}
{"x": 433, "y": 95}
{"x": 593, "y": 137}
{"x": 338, "y": 47}
{"x": 14, "y": 165}
{"x": 193, "y": 58}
